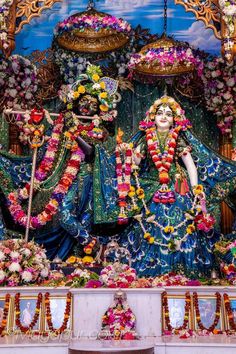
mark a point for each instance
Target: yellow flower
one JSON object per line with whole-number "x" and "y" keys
{"x": 87, "y": 259}
{"x": 76, "y": 94}
{"x": 103, "y": 108}
{"x": 131, "y": 194}
{"x": 81, "y": 89}
{"x": 69, "y": 106}
{"x": 95, "y": 77}
{"x": 168, "y": 229}
{"x": 198, "y": 189}
{"x": 190, "y": 229}
{"x": 151, "y": 240}
{"x": 147, "y": 235}
{"x": 102, "y": 85}
{"x": 103, "y": 95}
{"x": 71, "y": 260}
{"x": 67, "y": 134}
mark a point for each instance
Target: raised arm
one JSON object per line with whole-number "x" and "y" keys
{"x": 191, "y": 168}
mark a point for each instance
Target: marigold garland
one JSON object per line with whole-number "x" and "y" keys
{"x": 198, "y": 315}
{"x": 167, "y": 314}
{"x": 66, "y": 314}
{"x": 5, "y": 313}
{"x": 27, "y": 329}
{"x": 229, "y": 312}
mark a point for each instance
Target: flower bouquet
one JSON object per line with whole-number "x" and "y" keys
{"x": 22, "y": 263}
{"x": 118, "y": 275}
{"x": 80, "y": 277}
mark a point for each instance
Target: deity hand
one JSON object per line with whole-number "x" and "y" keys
{"x": 137, "y": 156}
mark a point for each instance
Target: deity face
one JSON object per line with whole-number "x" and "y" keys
{"x": 164, "y": 118}
{"x": 88, "y": 105}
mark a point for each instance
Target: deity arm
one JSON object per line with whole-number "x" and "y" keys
{"x": 191, "y": 168}
{"x": 87, "y": 149}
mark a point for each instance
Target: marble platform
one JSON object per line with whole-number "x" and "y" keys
{"x": 219, "y": 344}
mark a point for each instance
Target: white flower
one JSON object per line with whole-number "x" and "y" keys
{"x": 231, "y": 82}
{"x": 220, "y": 85}
{"x": 26, "y": 252}
{"x": 44, "y": 272}
{"x": 227, "y": 96}
{"x": 14, "y": 254}
{"x": 15, "y": 267}
{"x": 13, "y": 93}
{"x": 2, "y": 256}
{"x": 2, "y": 275}
{"x": 26, "y": 276}
{"x": 96, "y": 86}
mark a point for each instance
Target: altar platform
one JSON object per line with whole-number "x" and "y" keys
{"x": 88, "y": 307}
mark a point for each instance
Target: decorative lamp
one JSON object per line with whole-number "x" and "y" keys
{"x": 165, "y": 57}
{"x": 92, "y": 31}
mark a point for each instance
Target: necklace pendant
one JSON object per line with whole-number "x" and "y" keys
{"x": 164, "y": 195}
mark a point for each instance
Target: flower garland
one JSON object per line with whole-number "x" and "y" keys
{"x": 48, "y": 160}
{"x": 198, "y": 315}
{"x": 22, "y": 263}
{"x": 229, "y": 312}
{"x": 117, "y": 275}
{"x": 228, "y": 8}
{"x": 94, "y": 22}
{"x": 67, "y": 312}
{"x": 5, "y": 6}
{"x": 162, "y": 161}
{"x": 5, "y": 313}
{"x": 219, "y": 78}
{"x": 27, "y": 329}
{"x": 167, "y": 313}
{"x": 56, "y": 199}
{"x": 123, "y": 174}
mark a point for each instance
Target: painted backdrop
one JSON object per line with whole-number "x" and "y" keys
{"x": 148, "y": 13}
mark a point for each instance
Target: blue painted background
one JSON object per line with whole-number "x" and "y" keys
{"x": 149, "y": 13}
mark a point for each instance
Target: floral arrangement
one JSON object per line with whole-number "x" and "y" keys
{"x": 117, "y": 275}
{"x": 81, "y": 277}
{"x": 175, "y": 56}
{"x": 172, "y": 279}
{"x": 219, "y": 78}
{"x": 228, "y": 8}
{"x": 22, "y": 263}
{"x": 119, "y": 321}
{"x": 18, "y": 77}
{"x": 5, "y": 6}
{"x": 94, "y": 22}
{"x": 94, "y": 84}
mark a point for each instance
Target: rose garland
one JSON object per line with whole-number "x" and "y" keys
{"x": 5, "y": 313}
{"x": 56, "y": 199}
{"x": 66, "y": 314}
{"x": 167, "y": 313}
{"x": 26, "y": 329}
{"x": 229, "y": 312}
{"x": 228, "y": 8}
{"x": 198, "y": 315}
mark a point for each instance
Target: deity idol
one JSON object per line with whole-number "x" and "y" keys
{"x": 158, "y": 184}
